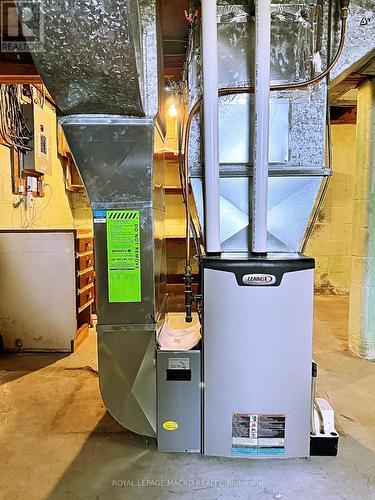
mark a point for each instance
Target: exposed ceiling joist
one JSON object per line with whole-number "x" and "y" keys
{"x": 18, "y": 73}
{"x": 352, "y": 79}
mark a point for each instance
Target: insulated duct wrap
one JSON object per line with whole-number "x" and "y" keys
{"x": 98, "y": 54}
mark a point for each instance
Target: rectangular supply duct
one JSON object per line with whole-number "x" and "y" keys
{"x": 92, "y": 55}
{"x": 102, "y": 65}
{"x": 116, "y": 161}
{"x": 121, "y": 161}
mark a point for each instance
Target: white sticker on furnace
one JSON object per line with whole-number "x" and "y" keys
{"x": 178, "y": 363}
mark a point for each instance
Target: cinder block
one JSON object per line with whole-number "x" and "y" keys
{"x": 342, "y": 198}
{"x": 340, "y": 281}
{"x": 363, "y": 156}
{"x": 358, "y": 310}
{"x": 333, "y": 247}
{"x": 360, "y": 242}
{"x": 340, "y": 231}
{"x": 360, "y": 215}
{"x": 338, "y": 182}
{"x": 340, "y": 264}
{"x": 340, "y": 214}
{"x": 362, "y": 185}
{"x": 321, "y": 264}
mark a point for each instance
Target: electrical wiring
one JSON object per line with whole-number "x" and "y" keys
{"x": 39, "y": 94}
{"x": 16, "y": 205}
{"x": 16, "y": 134}
{"x": 29, "y": 222}
{"x": 36, "y": 212}
{"x": 13, "y": 127}
{"x": 26, "y": 222}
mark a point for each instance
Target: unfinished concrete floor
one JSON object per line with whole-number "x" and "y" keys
{"x": 57, "y": 441}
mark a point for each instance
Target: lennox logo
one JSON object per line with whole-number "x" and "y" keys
{"x": 259, "y": 279}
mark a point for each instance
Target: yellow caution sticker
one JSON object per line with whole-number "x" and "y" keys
{"x": 170, "y": 425}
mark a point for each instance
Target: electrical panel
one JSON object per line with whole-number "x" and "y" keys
{"x": 39, "y": 158}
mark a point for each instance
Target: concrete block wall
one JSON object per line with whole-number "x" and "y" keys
{"x": 331, "y": 240}
{"x": 82, "y": 213}
{"x": 362, "y": 285}
{"x": 58, "y": 209}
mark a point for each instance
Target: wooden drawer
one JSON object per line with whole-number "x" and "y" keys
{"x": 85, "y": 261}
{"x": 84, "y": 245}
{"x": 86, "y": 296}
{"x": 86, "y": 279}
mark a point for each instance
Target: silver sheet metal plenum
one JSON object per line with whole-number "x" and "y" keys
{"x": 91, "y": 59}
{"x": 101, "y": 64}
{"x": 297, "y": 118}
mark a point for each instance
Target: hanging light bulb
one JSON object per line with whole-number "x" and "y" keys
{"x": 172, "y": 111}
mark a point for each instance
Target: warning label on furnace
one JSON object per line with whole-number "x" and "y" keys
{"x": 258, "y": 434}
{"x": 123, "y": 254}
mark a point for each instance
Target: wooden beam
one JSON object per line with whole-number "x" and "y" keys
{"x": 175, "y": 244}
{"x": 357, "y": 67}
{"x": 353, "y": 81}
{"x": 22, "y": 80}
{"x": 18, "y": 73}
{"x": 343, "y": 115}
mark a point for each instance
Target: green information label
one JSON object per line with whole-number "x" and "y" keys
{"x": 123, "y": 251}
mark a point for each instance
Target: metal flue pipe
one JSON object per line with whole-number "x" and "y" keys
{"x": 261, "y": 140}
{"x": 211, "y": 127}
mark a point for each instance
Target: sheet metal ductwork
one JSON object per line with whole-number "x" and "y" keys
{"x": 121, "y": 161}
{"x": 98, "y": 55}
{"x": 297, "y": 163}
{"x": 102, "y": 65}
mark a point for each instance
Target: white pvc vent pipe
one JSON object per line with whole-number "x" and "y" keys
{"x": 261, "y": 139}
{"x": 211, "y": 126}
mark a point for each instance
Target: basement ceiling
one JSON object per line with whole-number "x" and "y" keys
{"x": 175, "y": 34}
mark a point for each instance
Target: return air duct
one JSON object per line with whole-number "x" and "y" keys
{"x": 102, "y": 66}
